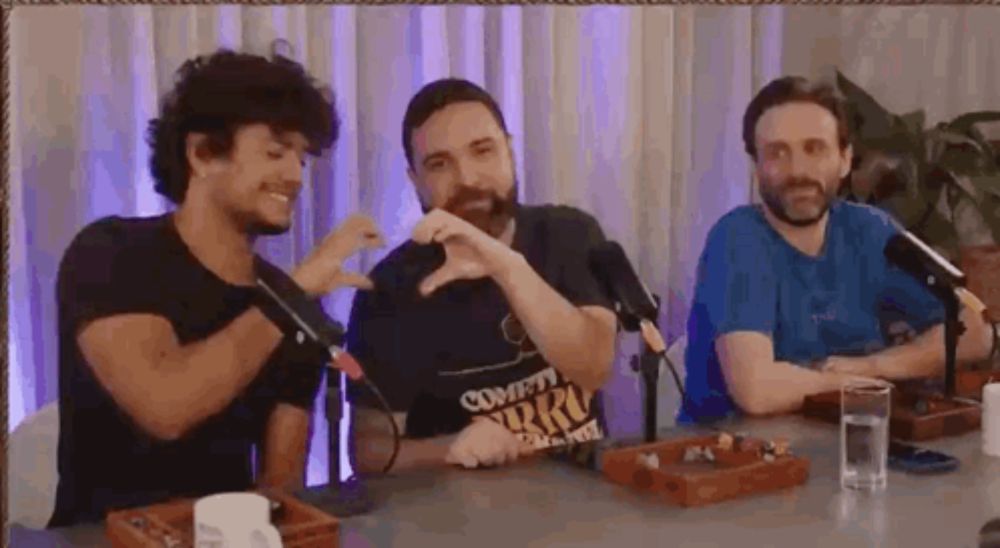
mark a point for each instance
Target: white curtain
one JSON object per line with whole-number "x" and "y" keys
{"x": 631, "y": 113}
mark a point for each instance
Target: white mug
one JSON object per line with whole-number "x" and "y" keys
{"x": 234, "y": 520}
{"x": 991, "y": 419}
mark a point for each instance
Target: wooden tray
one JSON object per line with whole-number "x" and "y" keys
{"x": 943, "y": 417}
{"x": 300, "y": 525}
{"x": 969, "y": 384}
{"x": 734, "y": 474}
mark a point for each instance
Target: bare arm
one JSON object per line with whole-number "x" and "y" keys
{"x": 371, "y": 436}
{"x": 167, "y": 388}
{"x": 286, "y": 440}
{"x": 924, "y": 355}
{"x": 759, "y": 384}
{"x": 578, "y": 341}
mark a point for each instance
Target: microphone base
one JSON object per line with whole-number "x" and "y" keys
{"x": 342, "y": 499}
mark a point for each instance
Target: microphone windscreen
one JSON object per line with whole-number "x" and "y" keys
{"x": 612, "y": 267}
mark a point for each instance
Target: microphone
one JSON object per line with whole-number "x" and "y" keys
{"x": 638, "y": 307}
{"x": 918, "y": 259}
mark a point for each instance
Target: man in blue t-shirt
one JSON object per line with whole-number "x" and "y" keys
{"x": 795, "y": 295}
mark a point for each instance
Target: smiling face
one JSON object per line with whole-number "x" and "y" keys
{"x": 799, "y": 161}
{"x": 462, "y": 163}
{"x": 256, "y": 186}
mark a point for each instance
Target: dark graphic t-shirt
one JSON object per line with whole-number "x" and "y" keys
{"x": 462, "y": 354}
{"x": 106, "y": 461}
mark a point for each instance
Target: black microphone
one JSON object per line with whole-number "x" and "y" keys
{"x": 917, "y": 258}
{"x": 614, "y": 271}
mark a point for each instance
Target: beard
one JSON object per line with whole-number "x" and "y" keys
{"x": 253, "y": 224}
{"x": 263, "y": 228}
{"x": 493, "y": 217}
{"x": 799, "y": 212}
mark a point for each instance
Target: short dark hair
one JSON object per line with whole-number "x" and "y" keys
{"x": 794, "y": 89}
{"x": 437, "y": 95}
{"x": 219, "y": 93}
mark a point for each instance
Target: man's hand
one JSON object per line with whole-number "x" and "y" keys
{"x": 485, "y": 443}
{"x": 470, "y": 253}
{"x": 322, "y": 271}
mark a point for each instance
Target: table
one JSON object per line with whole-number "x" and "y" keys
{"x": 550, "y": 504}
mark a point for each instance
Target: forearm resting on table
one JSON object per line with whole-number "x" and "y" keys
{"x": 577, "y": 341}
{"x": 168, "y": 388}
{"x": 924, "y": 356}
{"x": 762, "y": 386}
{"x": 371, "y": 437}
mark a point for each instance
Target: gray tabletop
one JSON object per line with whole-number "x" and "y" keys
{"x": 544, "y": 503}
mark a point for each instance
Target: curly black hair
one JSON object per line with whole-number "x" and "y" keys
{"x": 217, "y": 94}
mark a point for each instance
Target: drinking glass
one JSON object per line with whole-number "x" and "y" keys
{"x": 864, "y": 434}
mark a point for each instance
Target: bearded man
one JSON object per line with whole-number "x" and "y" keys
{"x": 795, "y": 295}
{"x": 487, "y": 332}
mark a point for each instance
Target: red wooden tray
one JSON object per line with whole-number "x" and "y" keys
{"x": 736, "y": 473}
{"x": 943, "y": 417}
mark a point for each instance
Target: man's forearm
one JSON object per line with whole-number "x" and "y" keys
{"x": 371, "y": 438}
{"x": 576, "y": 344}
{"x": 924, "y": 355}
{"x": 373, "y": 453}
{"x": 781, "y": 387}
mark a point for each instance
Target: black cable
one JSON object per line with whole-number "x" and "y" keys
{"x": 677, "y": 378}
{"x": 396, "y": 437}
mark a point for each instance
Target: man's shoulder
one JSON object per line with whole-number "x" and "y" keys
{"x": 114, "y": 231}
{"x": 863, "y": 216}
{"x": 557, "y": 216}
{"x": 115, "y": 240}
{"x": 743, "y": 224}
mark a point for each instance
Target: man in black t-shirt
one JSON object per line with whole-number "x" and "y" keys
{"x": 487, "y": 332}
{"x": 175, "y": 378}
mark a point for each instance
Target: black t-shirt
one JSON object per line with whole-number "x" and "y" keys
{"x": 462, "y": 353}
{"x": 141, "y": 265}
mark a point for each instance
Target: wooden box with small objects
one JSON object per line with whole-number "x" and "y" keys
{"x": 171, "y": 525}
{"x": 919, "y": 414}
{"x": 697, "y": 471}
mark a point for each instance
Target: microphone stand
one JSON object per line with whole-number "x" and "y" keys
{"x": 340, "y": 498}
{"x": 953, "y": 329}
{"x": 647, "y": 364}
{"x": 334, "y": 413}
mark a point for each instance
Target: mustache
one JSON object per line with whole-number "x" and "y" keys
{"x": 466, "y": 194}
{"x": 795, "y": 183}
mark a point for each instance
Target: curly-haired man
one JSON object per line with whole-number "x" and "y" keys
{"x": 173, "y": 381}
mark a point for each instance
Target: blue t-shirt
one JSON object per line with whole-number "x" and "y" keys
{"x": 838, "y": 303}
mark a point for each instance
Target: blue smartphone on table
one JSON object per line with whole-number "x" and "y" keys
{"x": 917, "y": 460}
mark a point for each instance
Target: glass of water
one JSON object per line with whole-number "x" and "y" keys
{"x": 864, "y": 434}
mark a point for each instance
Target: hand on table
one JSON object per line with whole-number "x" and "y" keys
{"x": 485, "y": 443}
